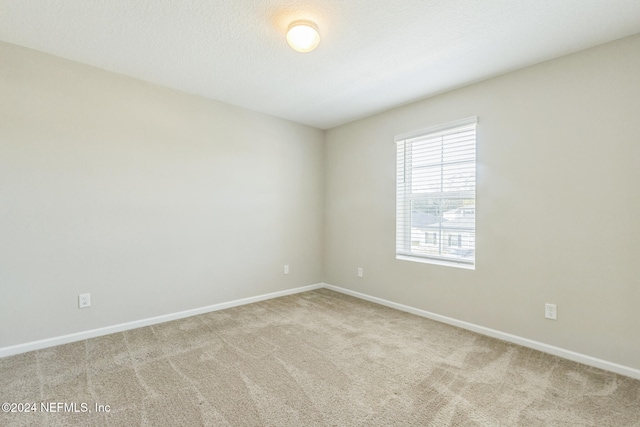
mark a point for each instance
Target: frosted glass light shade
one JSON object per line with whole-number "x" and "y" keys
{"x": 303, "y": 36}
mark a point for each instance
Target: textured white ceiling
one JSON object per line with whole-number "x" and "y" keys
{"x": 374, "y": 54}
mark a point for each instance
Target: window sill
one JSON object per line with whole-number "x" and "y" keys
{"x": 436, "y": 262}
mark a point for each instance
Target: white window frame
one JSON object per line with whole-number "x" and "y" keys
{"x": 404, "y": 199}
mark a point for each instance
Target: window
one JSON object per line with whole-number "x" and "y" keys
{"x": 436, "y": 194}
{"x": 430, "y": 238}
{"x": 455, "y": 240}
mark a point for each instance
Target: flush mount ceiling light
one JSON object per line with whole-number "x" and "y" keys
{"x": 303, "y": 36}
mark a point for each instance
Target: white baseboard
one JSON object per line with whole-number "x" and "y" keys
{"x": 545, "y": 348}
{"x": 79, "y": 336}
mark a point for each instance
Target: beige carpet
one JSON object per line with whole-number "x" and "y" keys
{"x": 312, "y": 359}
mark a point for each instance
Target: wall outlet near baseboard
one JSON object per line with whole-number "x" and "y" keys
{"x": 360, "y": 272}
{"x": 286, "y": 269}
{"x": 84, "y": 300}
{"x": 550, "y": 311}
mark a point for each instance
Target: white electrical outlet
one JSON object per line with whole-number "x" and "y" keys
{"x": 286, "y": 269}
{"x": 550, "y": 311}
{"x": 360, "y": 272}
{"x": 84, "y": 300}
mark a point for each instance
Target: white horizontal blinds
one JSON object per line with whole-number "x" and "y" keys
{"x": 436, "y": 193}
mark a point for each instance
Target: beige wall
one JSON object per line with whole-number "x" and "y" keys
{"x": 156, "y": 201}
{"x": 558, "y": 204}
{"x": 152, "y": 200}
